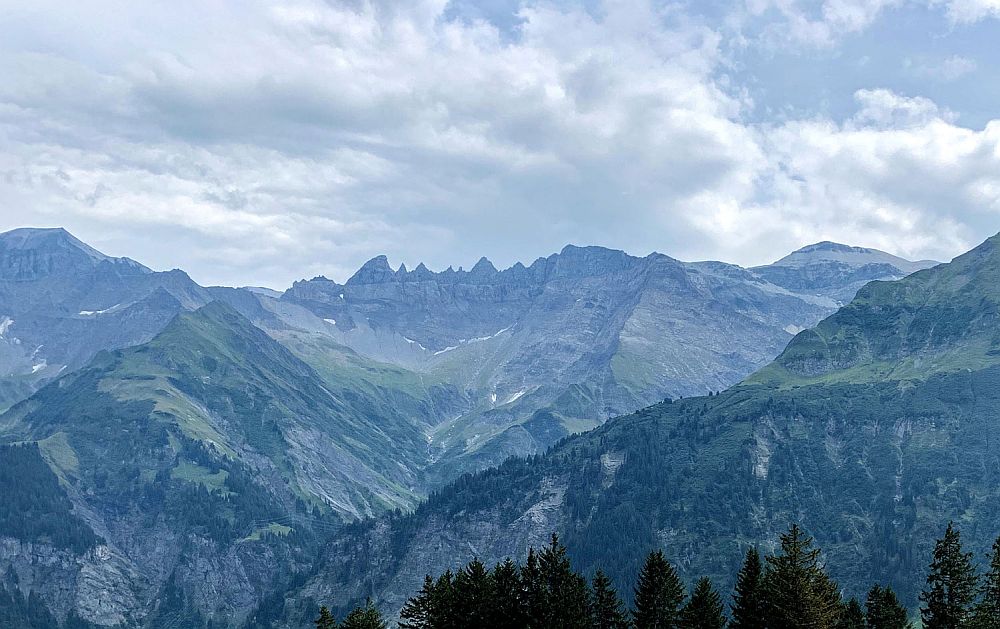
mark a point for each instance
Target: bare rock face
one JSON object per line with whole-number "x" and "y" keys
{"x": 61, "y": 302}
{"x": 586, "y": 334}
{"x": 205, "y": 458}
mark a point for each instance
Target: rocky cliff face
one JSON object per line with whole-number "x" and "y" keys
{"x": 557, "y": 347}
{"x": 887, "y": 436}
{"x": 61, "y": 302}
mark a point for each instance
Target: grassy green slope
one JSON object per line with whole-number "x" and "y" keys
{"x": 942, "y": 319}
{"x": 214, "y": 379}
{"x": 215, "y": 445}
{"x": 873, "y": 431}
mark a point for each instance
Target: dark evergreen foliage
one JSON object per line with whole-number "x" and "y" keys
{"x": 20, "y": 612}
{"x": 704, "y": 610}
{"x": 884, "y": 611}
{"x": 799, "y": 593}
{"x": 852, "y": 616}
{"x": 951, "y": 584}
{"x": 790, "y": 590}
{"x": 748, "y": 598}
{"x": 987, "y": 612}
{"x": 367, "y": 617}
{"x": 607, "y": 609}
{"x": 34, "y": 507}
{"x": 658, "y": 594}
{"x": 325, "y": 619}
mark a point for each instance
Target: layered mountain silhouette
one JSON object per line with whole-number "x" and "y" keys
{"x": 873, "y": 430}
{"x": 62, "y": 301}
{"x": 557, "y": 347}
{"x": 196, "y": 446}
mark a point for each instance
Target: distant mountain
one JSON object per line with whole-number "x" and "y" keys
{"x": 203, "y": 441}
{"x": 557, "y": 347}
{"x": 62, "y": 301}
{"x": 197, "y": 461}
{"x": 837, "y": 271}
{"x": 873, "y": 430}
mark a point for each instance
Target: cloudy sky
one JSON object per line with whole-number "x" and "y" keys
{"x": 258, "y": 143}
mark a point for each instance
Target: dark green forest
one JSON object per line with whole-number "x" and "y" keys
{"x": 791, "y": 589}
{"x": 33, "y": 506}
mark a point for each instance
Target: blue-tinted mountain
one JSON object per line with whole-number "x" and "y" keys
{"x": 873, "y": 430}
{"x": 61, "y": 302}
{"x": 198, "y": 471}
{"x": 204, "y": 441}
{"x": 586, "y": 334}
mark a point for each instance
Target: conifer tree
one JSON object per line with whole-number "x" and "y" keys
{"x": 416, "y": 613}
{"x": 443, "y": 603}
{"x": 798, "y": 592}
{"x": 532, "y": 592}
{"x": 748, "y": 597}
{"x": 658, "y": 594}
{"x": 987, "y": 613}
{"x": 508, "y": 600}
{"x": 325, "y": 619}
{"x": 367, "y": 617}
{"x": 852, "y": 616}
{"x": 951, "y": 584}
{"x": 473, "y": 589}
{"x": 884, "y": 611}
{"x": 704, "y": 610}
{"x": 607, "y": 610}
{"x": 564, "y": 592}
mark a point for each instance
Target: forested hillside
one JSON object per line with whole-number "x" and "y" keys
{"x": 872, "y": 467}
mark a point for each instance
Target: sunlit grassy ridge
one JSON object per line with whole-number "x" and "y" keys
{"x": 938, "y": 320}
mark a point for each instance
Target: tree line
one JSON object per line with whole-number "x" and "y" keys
{"x": 789, "y": 590}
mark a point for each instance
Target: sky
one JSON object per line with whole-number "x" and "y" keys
{"x": 257, "y": 143}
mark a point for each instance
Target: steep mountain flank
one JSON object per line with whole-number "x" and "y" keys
{"x": 62, "y": 301}
{"x": 872, "y": 430}
{"x": 557, "y": 347}
{"x": 207, "y": 462}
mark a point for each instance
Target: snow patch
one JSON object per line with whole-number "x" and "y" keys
{"x": 412, "y": 342}
{"x": 331, "y": 321}
{"x": 478, "y": 339}
{"x": 39, "y": 367}
{"x": 5, "y": 324}
{"x": 793, "y": 329}
{"x": 516, "y": 396}
{"x": 93, "y": 313}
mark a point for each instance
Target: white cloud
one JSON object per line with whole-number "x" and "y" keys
{"x": 947, "y": 69}
{"x": 262, "y": 143}
{"x": 967, "y": 11}
{"x": 883, "y": 108}
{"x": 817, "y": 24}
{"x": 900, "y": 175}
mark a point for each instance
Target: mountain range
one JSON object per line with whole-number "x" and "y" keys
{"x": 197, "y": 446}
{"x": 872, "y": 430}
{"x": 589, "y": 333}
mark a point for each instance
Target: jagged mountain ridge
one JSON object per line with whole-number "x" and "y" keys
{"x": 588, "y": 333}
{"x": 245, "y": 416}
{"x": 842, "y": 434}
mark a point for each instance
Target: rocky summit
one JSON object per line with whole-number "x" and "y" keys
{"x": 175, "y": 455}
{"x": 61, "y": 301}
{"x": 589, "y": 333}
{"x": 873, "y": 430}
